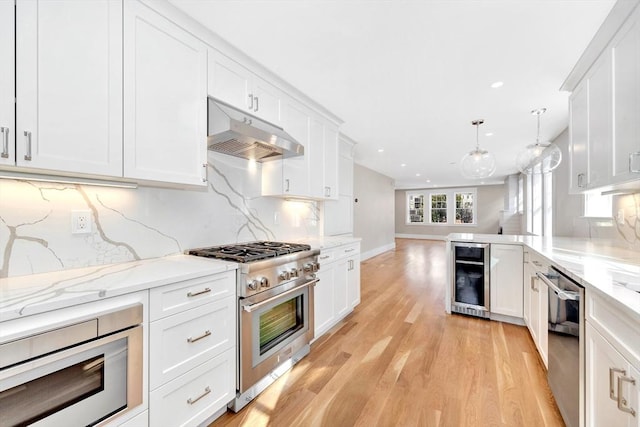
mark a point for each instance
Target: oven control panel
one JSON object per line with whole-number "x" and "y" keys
{"x": 268, "y": 278}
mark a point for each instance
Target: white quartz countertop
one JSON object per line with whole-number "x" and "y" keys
{"x": 37, "y": 293}
{"x": 328, "y": 242}
{"x": 596, "y": 264}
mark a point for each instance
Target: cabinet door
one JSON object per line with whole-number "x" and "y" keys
{"x": 315, "y": 151}
{"x": 602, "y": 360}
{"x": 626, "y": 78}
{"x": 229, "y": 81}
{"x": 295, "y": 173}
{"x": 69, "y": 85}
{"x": 7, "y": 91}
{"x": 578, "y": 138}
{"x": 323, "y": 300}
{"x": 331, "y": 189}
{"x": 526, "y": 292}
{"x": 600, "y": 131}
{"x": 165, "y": 99}
{"x": 341, "y": 289}
{"x": 353, "y": 280}
{"x": 345, "y": 175}
{"x": 543, "y": 319}
{"x": 506, "y": 280}
{"x": 266, "y": 99}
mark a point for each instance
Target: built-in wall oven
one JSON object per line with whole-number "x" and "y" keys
{"x": 78, "y": 374}
{"x": 470, "y": 287}
{"x": 566, "y": 345}
{"x": 275, "y": 309}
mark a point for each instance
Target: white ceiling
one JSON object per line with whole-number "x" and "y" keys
{"x": 409, "y": 76}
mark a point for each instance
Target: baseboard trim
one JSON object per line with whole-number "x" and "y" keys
{"x": 377, "y": 251}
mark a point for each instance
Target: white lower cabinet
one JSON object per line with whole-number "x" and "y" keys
{"x": 536, "y": 304}
{"x": 192, "y": 398}
{"x": 338, "y": 291}
{"x": 506, "y": 280}
{"x": 612, "y": 384}
{"x": 192, "y": 342}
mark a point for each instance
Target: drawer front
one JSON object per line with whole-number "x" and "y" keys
{"x": 184, "y": 340}
{"x": 192, "y": 398}
{"x": 171, "y": 299}
{"x": 350, "y": 250}
{"x": 326, "y": 256}
{"x": 615, "y": 325}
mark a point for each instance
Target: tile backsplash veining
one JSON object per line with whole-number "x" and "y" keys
{"x": 147, "y": 222}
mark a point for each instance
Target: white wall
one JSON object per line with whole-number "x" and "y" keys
{"x": 130, "y": 224}
{"x": 373, "y": 213}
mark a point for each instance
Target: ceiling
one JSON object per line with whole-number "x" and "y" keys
{"x": 409, "y": 76}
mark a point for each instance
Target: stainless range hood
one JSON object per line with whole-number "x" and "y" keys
{"x": 234, "y": 132}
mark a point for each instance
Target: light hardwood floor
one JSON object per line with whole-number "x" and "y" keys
{"x": 400, "y": 360}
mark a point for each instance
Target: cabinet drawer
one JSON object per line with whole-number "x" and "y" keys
{"x": 349, "y": 250}
{"x": 615, "y": 325}
{"x": 184, "y": 340}
{"x": 195, "y": 396}
{"x": 171, "y": 299}
{"x": 326, "y": 256}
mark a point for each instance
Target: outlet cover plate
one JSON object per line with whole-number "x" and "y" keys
{"x": 81, "y": 222}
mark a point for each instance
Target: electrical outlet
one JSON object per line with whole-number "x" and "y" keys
{"x": 620, "y": 217}
{"x": 80, "y": 222}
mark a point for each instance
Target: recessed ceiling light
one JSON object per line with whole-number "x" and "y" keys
{"x": 496, "y": 85}
{"x": 380, "y": 150}
{"x": 403, "y": 165}
{"x": 488, "y": 134}
{"x": 428, "y": 180}
{"x": 417, "y": 174}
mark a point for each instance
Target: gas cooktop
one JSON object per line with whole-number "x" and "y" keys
{"x": 250, "y": 251}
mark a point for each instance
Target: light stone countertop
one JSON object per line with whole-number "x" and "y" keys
{"x": 596, "y": 264}
{"x": 38, "y": 293}
{"x": 328, "y": 242}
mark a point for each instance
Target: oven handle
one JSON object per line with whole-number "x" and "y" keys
{"x": 253, "y": 307}
{"x": 563, "y": 295}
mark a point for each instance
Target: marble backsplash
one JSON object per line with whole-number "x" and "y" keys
{"x": 141, "y": 223}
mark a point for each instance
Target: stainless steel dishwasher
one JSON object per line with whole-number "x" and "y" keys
{"x": 566, "y": 345}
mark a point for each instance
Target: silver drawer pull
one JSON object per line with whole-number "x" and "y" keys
{"x": 324, "y": 257}
{"x": 5, "y": 142}
{"x": 537, "y": 263}
{"x": 195, "y": 294}
{"x": 191, "y": 401}
{"x": 612, "y": 390}
{"x": 257, "y": 103}
{"x": 622, "y": 402}
{"x": 350, "y": 250}
{"x": 192, "y": 340}
{"x": 27, "y": 134}
{"x": 632, "y": 156}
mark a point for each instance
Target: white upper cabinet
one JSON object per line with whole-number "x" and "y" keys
{"x": 626, "y": 101}
{"x": 233, "y": 83}
{"x": 165, "y": 109}
{"x": 68, "y": 85}
{"x": 578, "y": 135}
{"x": 599, "y": 113}
{"x": 605, "y": 106}
{"x": 7, "y": 90}
{"x": 330, "y": 157}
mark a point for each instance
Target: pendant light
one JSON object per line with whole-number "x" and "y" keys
{"x": 539, "y": 157}
{"x": 478, "y": 163}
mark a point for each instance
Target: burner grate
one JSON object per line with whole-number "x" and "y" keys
{"x": 251, "y": 251}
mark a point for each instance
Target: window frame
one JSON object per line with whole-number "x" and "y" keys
{"x": 450, "y": 194}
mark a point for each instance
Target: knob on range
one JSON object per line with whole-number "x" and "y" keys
{"x": 311, "y": 267}
{"x": 264, "y": 282}
{"x": 284, "y": 275}
{"x": 253, "y": 284}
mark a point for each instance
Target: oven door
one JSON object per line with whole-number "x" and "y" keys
{"x": 273, "y": 327}
{"x": 86, "y": 384}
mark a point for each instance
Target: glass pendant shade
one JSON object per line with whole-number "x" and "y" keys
{"x": 539, "y": 157}
{"x": 477, "y": 163}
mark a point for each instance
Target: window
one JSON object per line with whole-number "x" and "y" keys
{"x": 443, "y": 207}
{"x": 539, "y": 204}
{"x": 464, "y": 208}
{"x": 416, "y": 208}
{"x": 438, "y": 208}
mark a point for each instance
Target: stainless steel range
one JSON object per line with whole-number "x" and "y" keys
{"x": 275, "y": 283}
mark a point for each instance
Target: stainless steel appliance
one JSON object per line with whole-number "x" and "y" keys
{"x": 566, "y": 345}
{"x": 234, "y": 132}
{"x": 471, "y": 273}
{"x": 275, "y": 283}
{"x": 87, "y": 371}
